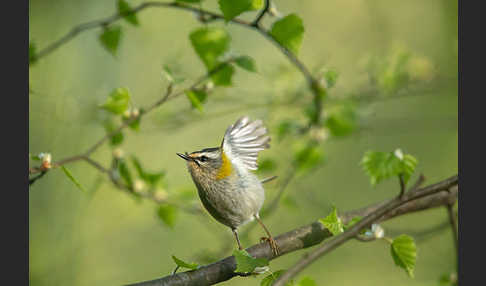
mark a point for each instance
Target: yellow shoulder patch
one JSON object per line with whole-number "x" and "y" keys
{"x": 225, "y": 169}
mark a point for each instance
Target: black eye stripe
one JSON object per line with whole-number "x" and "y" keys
{"x": 203, "y": 158}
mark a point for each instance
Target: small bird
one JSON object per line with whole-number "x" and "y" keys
{"x": 228, "y": 189}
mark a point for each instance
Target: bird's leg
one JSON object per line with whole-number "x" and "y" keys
{"x": 235, "y": 232}
{"x": 271, "y": 241}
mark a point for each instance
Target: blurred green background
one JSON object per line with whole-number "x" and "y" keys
{"x": 105, "y": 237}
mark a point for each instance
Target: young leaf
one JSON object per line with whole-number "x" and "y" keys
{"x": 116, "y": 139}
{"x": 118, "y": 101}
{"x": 404, "y": 253}
{"x": 268, "y": 281}
{"x": 383, "y": 165}
{"x": 247, "y": 63}
{"x": 331, "y": 77}
{"x": 70, "y": 176}
{"x": 125, "y": 10}
{"x": 35, "y": 157}
{"x": 168, "y": 214}
{"x": 148, "y": 177}
{"x": 223, "y": 76}
{"x": 135, "y": 124}
{"x": 245, "y": 263}
{"x": 341, "y": 119}
{"x": 197, "y": 98}
{"x": 289, "y": 32}
{"x": 233, "y": 8}
{"x": 332, "y": 222}
{"x": 308, "y": 157}
{"x": 210, "y": 43}
{"x": 448, "y": 279}
{"x": 125, "y": 173}
{"x": 110, "y": 38}
{"x": 169, "y": 75}
{"x": 184, "y": 264}
{"x": 32, "y": 53}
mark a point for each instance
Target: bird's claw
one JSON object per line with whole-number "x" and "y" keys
{"x": 273, "y": 244}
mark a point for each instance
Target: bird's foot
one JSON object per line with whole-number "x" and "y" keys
{"x": 273, "y": 244}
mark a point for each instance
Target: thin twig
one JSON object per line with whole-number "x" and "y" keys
{"x": 262, "y": 13}
{"x": 402, "y": 185}
{"x": 33, "y": 180}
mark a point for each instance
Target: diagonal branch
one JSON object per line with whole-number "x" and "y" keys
{"x": 386, "y": 208}
{"x": 309, "y": 235}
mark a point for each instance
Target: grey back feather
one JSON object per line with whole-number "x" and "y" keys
{"x": 243, "y": 140}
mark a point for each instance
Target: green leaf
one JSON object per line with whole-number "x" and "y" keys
{"x": 196, "y": 97}
{"x": 116, "y": 139}
{"x": 268, "y": 281}
{"x": 233, "y": 8}
{"x": 110, "y": 38}
{"x": 32, "y": 53}
{"x": 125, "y": 10}
{"x": 135, "y": 124}
{"x": 331, "y": 77}
{"x": 118, "y": 101}
{"x": 289, "y": 32}
{"x": 246, "y": 263}
{"x": 125, "y": 173}
{"x": 210, "y": 44}
{"x": 332, "y": 222}
{"x": 247, "y": 63}
{"x": 448, "y": 279}
{"x": 383, "y": 165}
{"x": 168, "y": 214}
{"x": 341, "y": 119}
{"x": 149, "y": 177}
{"x": 308, "y": 157}
{"x": 306, "y": 281}
{"x": 35, "y": 157}
{"x": 70, "y": 176}
{"x": 223, "y": 76}
{"x": 169, "y": 75}
{"x": 184, "y": 264}
{"x": 404, "y": 253}
{"x": 189, "y": 1}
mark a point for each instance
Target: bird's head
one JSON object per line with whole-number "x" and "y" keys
{"x": 210, "y": 163}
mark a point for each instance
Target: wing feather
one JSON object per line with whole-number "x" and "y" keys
{"x": 243, "y": 140}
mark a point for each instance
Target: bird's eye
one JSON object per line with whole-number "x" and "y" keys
{"x": 203, "y": 158}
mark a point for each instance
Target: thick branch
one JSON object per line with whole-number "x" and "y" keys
{"x": 312, "y": 234}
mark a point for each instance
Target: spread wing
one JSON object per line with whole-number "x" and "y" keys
{"x": 243, "y": 140}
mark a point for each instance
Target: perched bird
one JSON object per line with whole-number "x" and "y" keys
{"x": 228, "y": 189}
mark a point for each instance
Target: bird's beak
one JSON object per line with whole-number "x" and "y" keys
{"x": 184, "y": 156}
